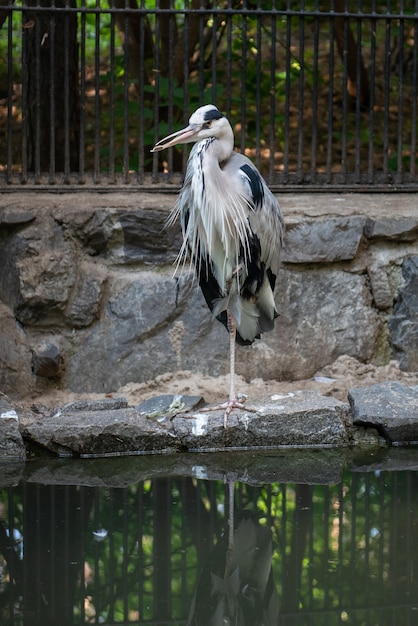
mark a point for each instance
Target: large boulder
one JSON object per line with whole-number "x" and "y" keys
{"x": 403, "y": 323}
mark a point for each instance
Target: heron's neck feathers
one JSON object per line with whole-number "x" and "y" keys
{"x": 218, "y": 219}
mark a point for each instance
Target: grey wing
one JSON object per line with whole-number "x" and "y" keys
{"x": 265, "y": 216}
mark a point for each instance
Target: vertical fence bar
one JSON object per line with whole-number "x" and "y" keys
{"x": 228, "y": 75}
{"x": 399, "y": 156}
{"x": 414, "y": 100}
{"x": 25, "y": 90}
{"x": 288, "y": 48}
{"x": 272, "y": 99}
{"x": 9, "y": 166}
{"x": 97, "y": 107}
{"x": 52, "y": 44}
{"x": 67, "y": 159}
{"x": 82, "y": 49}
{"x": 315, "y": 79}
{"x": 156, "y": 117}
{"x": 201, "y": 64}
{"x": 186, "y": 73}
{"x": 167, "y": 61}
{"x": 37, "y": 130}
{"x": 243, "y": 95}
{"x": 214, "y": 57}
{"x": 344, "y": 90}
{"x": 301, "y": 96}
{"x": 112, "y": 71}
{"x": 386, "y": 101}
{"x": 330, "y": 130}
{"x": 258, "y": 98}
{"x": 126, "y": 69}
{"x": 372, "y": 78}
{"x": 141, "y": 104}
{"x": 359, "y": 96}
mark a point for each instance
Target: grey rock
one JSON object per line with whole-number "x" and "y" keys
{"x": 403, "y": 323}
{"x": 151, "y": 324}
{"x": 392, "y": 408}
{"x": 304, "y": 419}
{"x": 39, "y": 272}
{"x": 85, "y": 298}
{"x": 103, "y": 404}
{"x": 301, "y": 419}
{"x": 12, "y": 217}
{"x": 323, "y": 241}
{"x": 100, "y": 433}
{"x": 166, "y": 406}
{"x": 392, "y": 228}
{"x": 16, "y": 377}
{"x": 95, "y": 229}
{"x": 146, "y": 237}
{"x": 12, "y": 447}
{"x": 46, "y": 359}
{"x": 380, "y": 287}
{"x": 323, "y": 314}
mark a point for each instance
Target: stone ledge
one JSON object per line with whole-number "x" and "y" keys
{"x": 384, "y": 413}
{"x": 377, "y": 415}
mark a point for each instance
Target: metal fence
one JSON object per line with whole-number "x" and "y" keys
{"x": 321, "y": 96}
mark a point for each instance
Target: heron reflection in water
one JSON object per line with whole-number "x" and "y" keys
{"x": 236, "y": 586}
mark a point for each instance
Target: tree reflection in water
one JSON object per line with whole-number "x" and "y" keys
{"x": 181, "y": 550}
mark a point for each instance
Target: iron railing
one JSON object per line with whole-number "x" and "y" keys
{"x": 321, "y": 96}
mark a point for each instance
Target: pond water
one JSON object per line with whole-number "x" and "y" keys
{"x": 275, "y": 537}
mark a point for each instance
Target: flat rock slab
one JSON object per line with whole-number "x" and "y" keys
{"x": 297, "y": 419}
{"x": 100, "y": 433}
{"x": 391, "y": 408}
{"x": 303, "y": 419}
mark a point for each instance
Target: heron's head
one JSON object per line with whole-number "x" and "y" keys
{"x": 207, "y": 121}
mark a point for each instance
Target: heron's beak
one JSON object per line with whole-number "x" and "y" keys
{"x": 185, "y": 135}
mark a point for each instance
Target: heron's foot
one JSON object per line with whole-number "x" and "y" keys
{"x": 229, "y": 406}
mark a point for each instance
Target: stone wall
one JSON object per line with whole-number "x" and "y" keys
{"x": 88, "y": 300}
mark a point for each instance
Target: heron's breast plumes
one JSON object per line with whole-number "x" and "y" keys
{"x": 218, "y": 225}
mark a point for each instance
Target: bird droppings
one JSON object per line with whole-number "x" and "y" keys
{"x": 279, "y": 396}
{"x": 200, "y": 424}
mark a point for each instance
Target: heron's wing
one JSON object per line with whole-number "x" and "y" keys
{"x": 264, "y": 215}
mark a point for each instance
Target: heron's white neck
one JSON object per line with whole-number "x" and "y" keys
{"x": 219, "y": 147}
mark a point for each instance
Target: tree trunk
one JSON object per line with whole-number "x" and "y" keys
{"x": 348, "y": 48}
{"x": 51, "y": 88}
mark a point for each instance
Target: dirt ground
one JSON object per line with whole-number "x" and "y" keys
{"x": 334, "y": 380}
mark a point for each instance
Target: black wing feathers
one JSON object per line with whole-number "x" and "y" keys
{"x": 256, "y": 184}
{"x": 211, "y": 292}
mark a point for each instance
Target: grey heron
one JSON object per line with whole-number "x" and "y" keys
{"x": 232, "y": 229}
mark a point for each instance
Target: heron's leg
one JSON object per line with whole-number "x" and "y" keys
{"x": 232, "y": 328}
{"x": 233, "y": 402}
